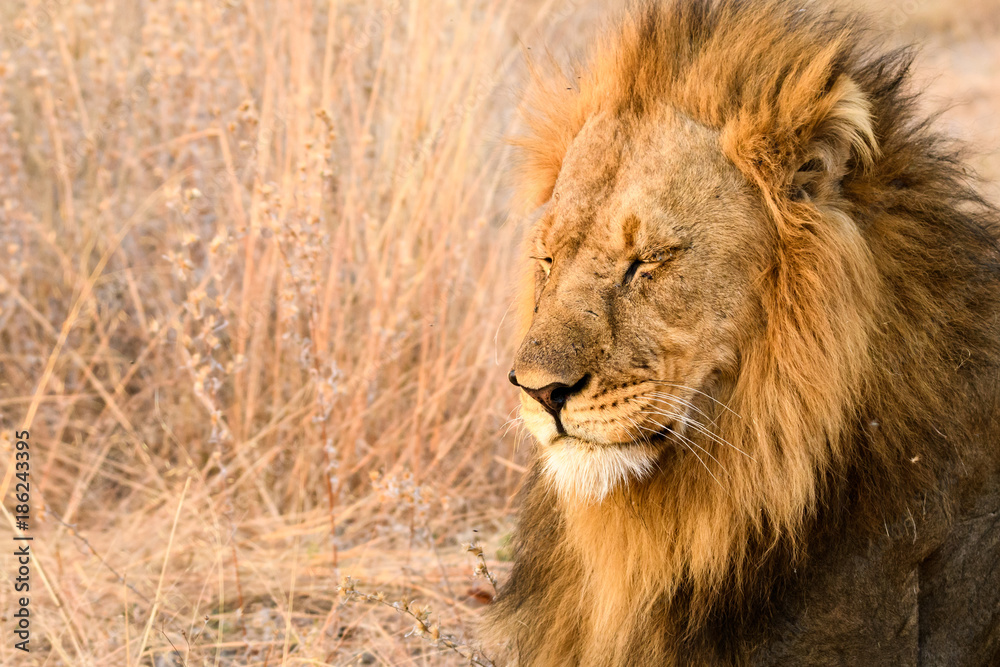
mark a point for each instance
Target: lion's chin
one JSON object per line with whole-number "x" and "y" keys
{"x": 582, "y": 471}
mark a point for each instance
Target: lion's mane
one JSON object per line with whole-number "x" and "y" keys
{"x": 877, "y": 377}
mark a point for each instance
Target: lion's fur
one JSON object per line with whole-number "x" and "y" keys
{"x": 872, "y": 378}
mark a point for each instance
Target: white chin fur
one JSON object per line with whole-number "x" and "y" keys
{"x": 582, "y": 471}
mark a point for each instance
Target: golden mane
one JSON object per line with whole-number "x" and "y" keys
{"x": 881, "y": 309}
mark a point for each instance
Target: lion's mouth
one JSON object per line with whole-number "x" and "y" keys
{"x": 656, "y": 419}
{"x": 666, "y": 431}
{"x": 648, "y": 434}
{"x": 663, "y": 433}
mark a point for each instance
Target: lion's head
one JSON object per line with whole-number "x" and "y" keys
{"x": 645, "y": 295}
{"x": 696, "y": 260}
{"x": 745, "y": 303}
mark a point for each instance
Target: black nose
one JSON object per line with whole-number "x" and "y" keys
{"x": 512, "y": 376}
{"x": 554, "y": 396}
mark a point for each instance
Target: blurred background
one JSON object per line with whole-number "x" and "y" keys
{"x": 255, "y": 262}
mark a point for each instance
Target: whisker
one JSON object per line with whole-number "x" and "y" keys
{"x": 689, "y": 440}
{"x": 685, "y": 403}
{"x": 698, "y": 391}
{"x": 617, "y": 423}
{"x": 704, "y": 465}
{"x": 672, "y": 404}
{"x": 508, "y": 425}
{"x": 687, "y": 420}
{"x": 701, "y": 428}
{"x": 511, "y": 420}
{"x": 638, "y": 431}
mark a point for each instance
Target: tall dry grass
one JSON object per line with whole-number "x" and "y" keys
{"x": 254, "y": 266}
{"x": 257, "y": 251}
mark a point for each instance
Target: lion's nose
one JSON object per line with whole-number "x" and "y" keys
{"x": 553, "y": 396}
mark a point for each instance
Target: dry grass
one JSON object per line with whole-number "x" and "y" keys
{"x": 254, "y": 266}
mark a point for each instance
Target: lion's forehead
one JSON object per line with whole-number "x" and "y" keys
{"x": 616, "y": 175}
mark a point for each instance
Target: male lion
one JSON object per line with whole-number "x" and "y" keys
{"x": 761, "y": 357}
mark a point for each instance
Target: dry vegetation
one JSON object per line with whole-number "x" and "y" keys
{"x": 254, "y": 266}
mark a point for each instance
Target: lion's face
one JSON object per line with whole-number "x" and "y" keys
{"x": 646, "y": 273}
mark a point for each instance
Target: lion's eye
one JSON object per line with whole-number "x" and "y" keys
{"x": 545, "y": 263}
{"x": 644, "y": 265}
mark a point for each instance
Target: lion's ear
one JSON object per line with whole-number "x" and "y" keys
{"x": 842, "y": 138}
{"x": 801, "y": 147}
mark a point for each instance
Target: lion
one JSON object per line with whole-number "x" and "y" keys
{"x": 760, "y": 356}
